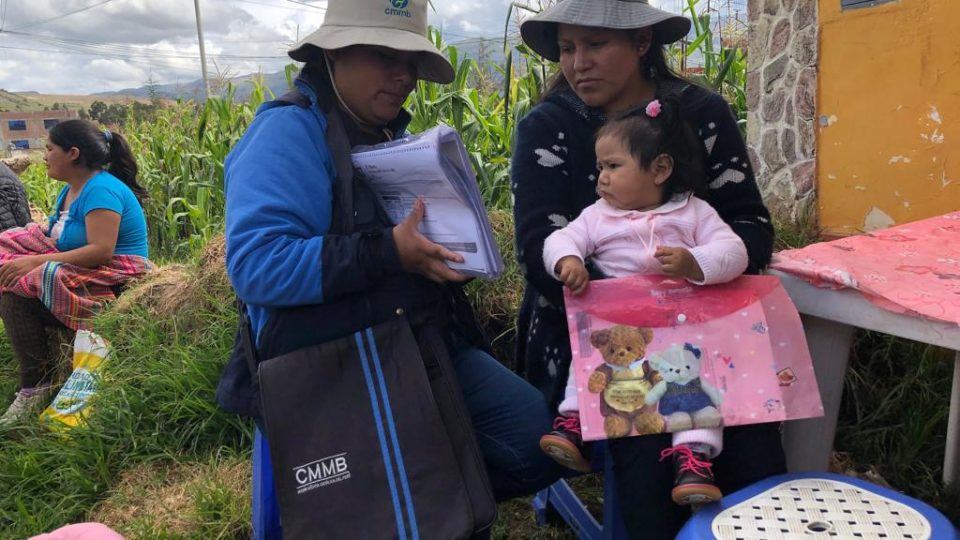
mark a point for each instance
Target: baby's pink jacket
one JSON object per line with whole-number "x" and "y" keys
{"x": 622, "y": 242}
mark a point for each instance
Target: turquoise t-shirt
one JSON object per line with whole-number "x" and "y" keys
{"x": 103, "y": 192}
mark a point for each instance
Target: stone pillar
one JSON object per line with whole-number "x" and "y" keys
{"x": 781, "y": 101}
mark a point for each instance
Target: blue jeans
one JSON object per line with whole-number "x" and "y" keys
{"x": 509, "y": 417}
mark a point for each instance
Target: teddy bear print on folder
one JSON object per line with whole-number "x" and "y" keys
{"x": 685, "y": 400}
{"x": 624, "y": 381}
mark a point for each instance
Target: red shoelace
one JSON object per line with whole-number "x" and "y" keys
{"x": 567, "y": 423}
{"x": 688, "y": 461}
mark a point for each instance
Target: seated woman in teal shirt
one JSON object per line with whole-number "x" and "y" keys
{"x": 98, "y": 215}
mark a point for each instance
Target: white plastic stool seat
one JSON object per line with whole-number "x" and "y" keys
{"x": 819, "y": 508}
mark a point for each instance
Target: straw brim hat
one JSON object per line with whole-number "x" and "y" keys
{"x": 431, "y": 65}
{"x": 540, "y": 32}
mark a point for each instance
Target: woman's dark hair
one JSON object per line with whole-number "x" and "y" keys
{"x": 653, "y": 66}
{"x": 669, "y": 133}
{"x": 99, "y": 150}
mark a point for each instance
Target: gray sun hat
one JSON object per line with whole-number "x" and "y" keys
{"x": 396, "y": 24}
{"x": 540, "y": 32}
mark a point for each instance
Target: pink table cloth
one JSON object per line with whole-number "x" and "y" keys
{"x": 909, "y": 269}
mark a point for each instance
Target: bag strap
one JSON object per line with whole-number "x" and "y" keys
{"x": 343, "y": 187}
{"x": 249, "y": 349}
{"x": 338, "y": 143}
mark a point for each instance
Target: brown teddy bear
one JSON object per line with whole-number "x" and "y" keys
{"x": 623, "y": 380}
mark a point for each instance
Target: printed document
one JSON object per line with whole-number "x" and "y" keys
{"x": 434, "y": 166}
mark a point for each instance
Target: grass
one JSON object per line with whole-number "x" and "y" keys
{"x": 497, "y": 303}
{"x": 208, "y": 499}
{"x": 893, "y": 416}
{"x": 156, "y": 407}
{"x": 795, "y": 233}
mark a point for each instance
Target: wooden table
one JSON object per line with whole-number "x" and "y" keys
{"x": 830, "y": 317}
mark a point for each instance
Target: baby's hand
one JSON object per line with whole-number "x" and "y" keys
{"x": 572, "y": 273}
{"x": 679, "y": 262}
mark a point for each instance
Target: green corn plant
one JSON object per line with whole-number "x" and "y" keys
{"x": 41, "y": 190}
{"x": 181, "y": 154}
{"x": 724, "y": 68}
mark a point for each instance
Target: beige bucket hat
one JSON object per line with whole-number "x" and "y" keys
{"x": 396, "y": 24}
{"x": 540, "y": 32}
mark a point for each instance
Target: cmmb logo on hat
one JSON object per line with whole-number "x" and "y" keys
{"x": 398, "y": 8}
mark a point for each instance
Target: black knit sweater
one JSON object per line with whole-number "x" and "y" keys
{"x": 14, "y": 209}
{"x": 554, "y": 177}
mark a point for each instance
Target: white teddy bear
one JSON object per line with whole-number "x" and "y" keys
{"x": 686, "y": 401}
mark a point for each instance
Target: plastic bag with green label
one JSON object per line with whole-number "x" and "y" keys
{"x": 72, "y": 404}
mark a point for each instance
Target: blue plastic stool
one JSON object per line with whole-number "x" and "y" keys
{"x": 562, "y": 498}
{"x": 817, "y": 505}
{"x": 265, "y": 511}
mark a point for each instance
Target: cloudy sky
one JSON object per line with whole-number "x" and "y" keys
{"x": 86, "y": 46}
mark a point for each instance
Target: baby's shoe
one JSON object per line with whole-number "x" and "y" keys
{"x": 693, "y": 482}
{"x": 565, "y": 445}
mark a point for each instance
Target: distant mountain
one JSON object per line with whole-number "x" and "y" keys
{"x": 491, "y": 50}
{"x": 276, "y": 82}
{"x": 10, "y": 101}
{"x": 35, "y": 101}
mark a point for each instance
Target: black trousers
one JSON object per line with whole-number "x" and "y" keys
{"x": 750, "y": 453}
{"x": 25, "y": 321}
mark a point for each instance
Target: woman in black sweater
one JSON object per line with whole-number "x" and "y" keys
{"x": 612, "y": 58}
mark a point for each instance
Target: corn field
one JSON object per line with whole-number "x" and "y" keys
{"x": 181, "y": 151}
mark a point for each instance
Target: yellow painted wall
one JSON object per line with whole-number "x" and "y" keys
{"x": 889, "y": 94}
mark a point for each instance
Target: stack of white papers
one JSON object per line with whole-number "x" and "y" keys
{"x": 434, "y": 166}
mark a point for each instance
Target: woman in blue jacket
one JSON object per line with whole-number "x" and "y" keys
{"x": 309, "y": 272}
